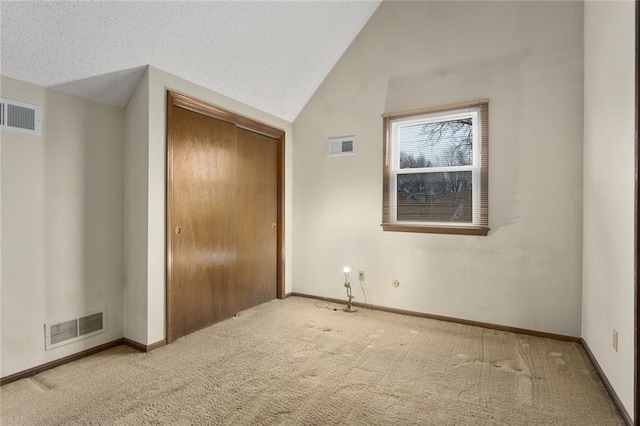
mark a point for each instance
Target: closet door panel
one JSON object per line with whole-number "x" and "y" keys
{"x": 203, "y": 204}
{"x": 257, "y": 217}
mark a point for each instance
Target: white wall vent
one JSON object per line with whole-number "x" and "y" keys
{"x": 19, "y": 116}
{"x": 70, "y": 330}
{"x": 342, "y": 145}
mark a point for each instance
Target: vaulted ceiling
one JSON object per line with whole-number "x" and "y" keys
{"x": 270, "y": 55}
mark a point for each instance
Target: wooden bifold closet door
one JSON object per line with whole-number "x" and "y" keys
{"x": 223, "y": 215}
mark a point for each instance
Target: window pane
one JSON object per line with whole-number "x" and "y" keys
{"x": 440, "y": 144}
{"x": 435, "y": 197}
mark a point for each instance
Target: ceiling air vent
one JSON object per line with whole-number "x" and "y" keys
{"x": 342, "y": 145}
{"x": 71, "y": 330}
{"x": 19, "y": 116}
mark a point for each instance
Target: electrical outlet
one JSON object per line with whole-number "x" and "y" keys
{"x": 615, "y": 340}
{"x": 361, "y": 275}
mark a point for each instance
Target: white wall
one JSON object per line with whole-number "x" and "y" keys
{"x": 136, "y": 130}
{"x": 609, "y": 152}
{"x": 155, "y": 284}
{"x": 527, "y": 58}
{"x": 62, "y": 223}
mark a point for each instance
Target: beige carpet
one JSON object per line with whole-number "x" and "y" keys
{"x": 296, "y": 362}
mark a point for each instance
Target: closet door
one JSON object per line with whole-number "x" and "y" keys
{"x": 224, "y": 215}
{"x": 203, "y": 217}
{"x": 257, "y": 218}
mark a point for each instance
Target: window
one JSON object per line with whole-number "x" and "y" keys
{"x": 436, "y": 169}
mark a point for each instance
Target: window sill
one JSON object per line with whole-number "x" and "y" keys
{"x": 436, "y": 229}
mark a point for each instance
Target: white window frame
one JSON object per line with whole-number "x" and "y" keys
{"x": 474, "y": 168}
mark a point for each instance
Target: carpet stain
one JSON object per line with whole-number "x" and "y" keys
{"x": 509, "y": 366}
{"x": 470, "y": 362}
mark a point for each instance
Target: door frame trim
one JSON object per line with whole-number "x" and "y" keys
{"x": 201, "y": 107}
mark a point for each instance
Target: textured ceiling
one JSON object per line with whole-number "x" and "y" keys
{"x": 270, "y": 55}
